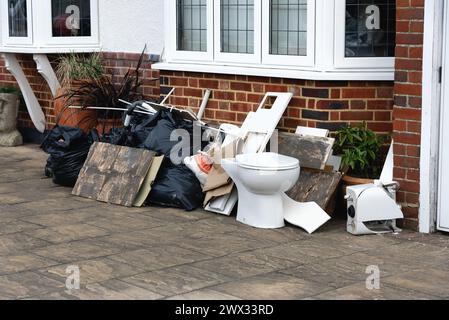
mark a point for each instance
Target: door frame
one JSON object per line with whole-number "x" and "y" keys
{"x": 431, "y": 112}
{"x": 444, "y": 151}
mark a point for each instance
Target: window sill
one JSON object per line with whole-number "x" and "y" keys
{"x": 47, "y": 49}
{"x": 280, "y": 72}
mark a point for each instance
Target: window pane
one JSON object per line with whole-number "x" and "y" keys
{"x": 191, "y": 25}
{"x": 237, "y": 26}
{"x": 71, "y": 18}
{"x": 17, "y": 16}
{"x": 288, "y": 27}
{"x": 370, "y": 28}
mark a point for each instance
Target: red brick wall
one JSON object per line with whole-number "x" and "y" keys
{"x": 116, "y": 63}
{"x": 407, "y": 104}
{"x": 323, "y": 104}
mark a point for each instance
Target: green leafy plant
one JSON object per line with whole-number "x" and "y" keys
{"x": 105, "y": 91}
{"x": 11, "y": 90}
{"x": 359, "y": 148}
{"x": 79, "y": 67}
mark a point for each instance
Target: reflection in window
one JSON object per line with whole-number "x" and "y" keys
{"x": 17, "y": 18}
{"x": 237, "y": 26}
{"x": 288, "y": 27}
{"x": 370, "y": 28}
{"x": 71, "y": 18}
{"x": 191, "y": 25}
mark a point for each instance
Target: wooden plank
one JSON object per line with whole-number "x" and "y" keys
{"x": 312, "y": 152}
{"x": 113, "y": 174}
{"x": 316, "y": 186}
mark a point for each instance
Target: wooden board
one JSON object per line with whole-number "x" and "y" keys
{"x": 312, "y": 152}
{"x": 113, "y": 174}
{"x": 316, "y": 186}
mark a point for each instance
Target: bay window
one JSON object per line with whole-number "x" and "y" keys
{"x": 237, "y": 31}
{"x": 190, "y": 24}
{"x": 310, "y": 39}
{"x": 49, "y": 25}
{"x": 366, "y": 33}
{"x": 17, "y": 16}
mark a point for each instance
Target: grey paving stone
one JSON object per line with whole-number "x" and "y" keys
{"x": 67, "y": 233}
{"x": 10, "y": 226}
{"x": 27, "y": 284}
{"x": 204, "y": 294}
{"x": 76, "y": 251}
{"x": 159, "y": 257}
{"x": 124, "y": 224}
{"x": 430, "y": 281}
{"x": 13, "y": 243}
{"x": 23, "y": 262}
{"x": 245, "y": 264}
{"x": 360, "y": 292}
{"x": 92, "y": 271}
{"x": 108, "y": 290}
{"x": 274, "y": 286}
{"x": 176, "y": 280}
{"x": 61, "y": 218}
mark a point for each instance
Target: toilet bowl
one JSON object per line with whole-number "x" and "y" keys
{"x": 261, "y": 180}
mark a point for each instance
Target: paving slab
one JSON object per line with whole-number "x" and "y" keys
{"x": 274, "y": 286}
{"x": 176, "y": 280}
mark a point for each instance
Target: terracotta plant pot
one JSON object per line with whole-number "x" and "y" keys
{"x": 352, "y": 181}
{"x": 65, "y": 116}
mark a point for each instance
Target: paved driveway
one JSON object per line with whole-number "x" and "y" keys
{"x": 155, "y": 253}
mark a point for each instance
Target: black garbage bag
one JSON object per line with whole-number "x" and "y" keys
{"x": 176, "y": 186}
{"x": 68, "y": 149}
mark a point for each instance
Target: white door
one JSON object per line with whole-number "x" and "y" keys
{"x": 443, "y": 207}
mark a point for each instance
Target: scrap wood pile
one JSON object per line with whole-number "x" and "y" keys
{"x": 133, "y": 165}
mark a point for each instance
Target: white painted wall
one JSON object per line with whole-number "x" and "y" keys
{"x": 127, "y": 25}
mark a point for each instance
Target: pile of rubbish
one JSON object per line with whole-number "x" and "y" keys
{"x": 167, "y": 156}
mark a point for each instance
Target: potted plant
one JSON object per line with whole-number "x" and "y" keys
{"x": 73, "y": 70}
{"x": 360, "y": 149}
{"x": 106, "y": 92}
{"x": 9, "y": 109}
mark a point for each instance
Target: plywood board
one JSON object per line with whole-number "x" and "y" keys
{"x": 316, "y": 186}
{"x": 312, "y": 152}
{"x": 113, "y": 174}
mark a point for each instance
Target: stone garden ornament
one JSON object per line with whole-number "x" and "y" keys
{"x": 9, "y": 109}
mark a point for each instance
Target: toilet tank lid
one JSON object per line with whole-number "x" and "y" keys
{"x": 267, "y": 160}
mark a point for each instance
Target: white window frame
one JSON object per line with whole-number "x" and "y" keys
{"x": 8, "y": 40}
{"x": 171, "y": 27}
{"x": 341, "y": 61}
{"x": 299, "y": 61}
{"x": 238, "y": 58}
{"x": 44, "y": 12}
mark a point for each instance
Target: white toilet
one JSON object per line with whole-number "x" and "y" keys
{"x": 261, "y": 180}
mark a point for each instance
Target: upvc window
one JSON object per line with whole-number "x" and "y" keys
{"x": 254, "y": 32}
{"x": 50, "y": 24}
{"x": 289, "y": 33}
{"x": 366, "y": 33}
{"x": 18, "y": 17}
{"x": 237, "y": 31}
{"x": 190, "y": 24}
{"x": 308, "y": 39}
{"x": 69, "y": 22}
